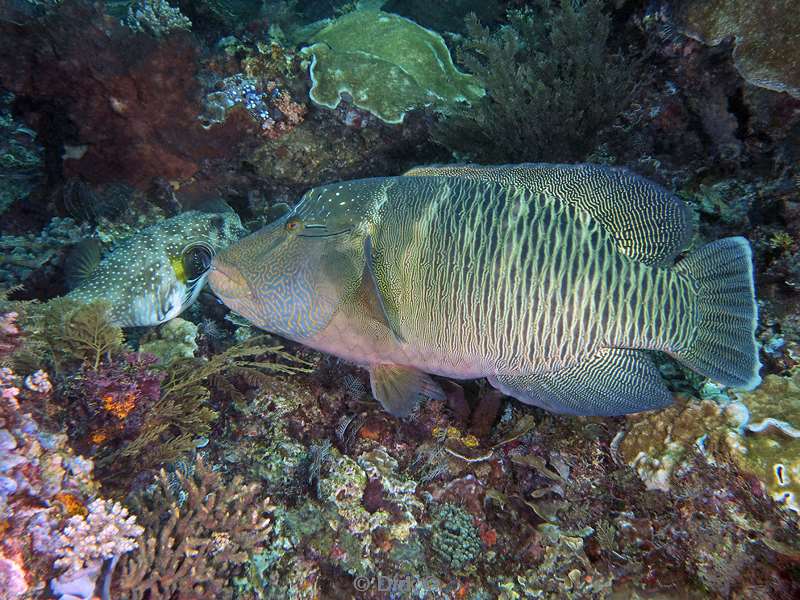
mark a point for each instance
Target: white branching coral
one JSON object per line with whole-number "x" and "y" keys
{"x": 106, "y": 531}
{"x": 158, "y": 17}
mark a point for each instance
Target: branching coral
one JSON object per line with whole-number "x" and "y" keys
{"x": 86, "y": 540}
{"x": 551, "y": 85}
{"x": 202, "y": 543}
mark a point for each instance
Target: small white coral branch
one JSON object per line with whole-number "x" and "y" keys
{"x": 107, "y": 531}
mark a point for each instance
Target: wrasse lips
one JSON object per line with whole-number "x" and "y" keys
{"x": 226, "y": 280}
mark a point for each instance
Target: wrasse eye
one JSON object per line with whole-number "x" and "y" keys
{"x": 294, "y": 225}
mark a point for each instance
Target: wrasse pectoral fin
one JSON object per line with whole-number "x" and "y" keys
{"x": 369, "y": 294}
{"x": 615, "y": 381}
{"x": 399, "y": 389}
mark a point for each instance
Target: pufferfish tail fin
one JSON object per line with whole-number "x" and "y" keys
{"x": 724, "y": 346}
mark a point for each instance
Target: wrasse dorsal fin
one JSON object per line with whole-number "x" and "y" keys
{"x": 648, "y": 223}
{"x": 615, "y": 381}
{"x": 82, "y": 261}
{"x": 400, "y": 389}
{"x": 370, "y": 298}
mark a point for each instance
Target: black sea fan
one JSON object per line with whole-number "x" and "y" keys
{"x": 552, "y": 83}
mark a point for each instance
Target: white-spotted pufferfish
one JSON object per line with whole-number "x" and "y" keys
{"x": 157, "y": 273}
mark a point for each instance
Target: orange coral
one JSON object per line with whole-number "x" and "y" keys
{"x": 99, "y": 436}
{"x": 119, "y": 407}
{"x": 71, "y": 503}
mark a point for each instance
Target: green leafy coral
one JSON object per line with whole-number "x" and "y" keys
{"x": 552, "y": 83}
{"x": 387, "y": 64}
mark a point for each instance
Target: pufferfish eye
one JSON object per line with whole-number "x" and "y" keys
{"x": 197, "y": 260}
{"x": 294, "y": 225}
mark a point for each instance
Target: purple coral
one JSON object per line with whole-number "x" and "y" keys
{"x": 118, "y": 394}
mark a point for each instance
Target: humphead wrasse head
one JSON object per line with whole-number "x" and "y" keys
{"x": 291, "y": 276}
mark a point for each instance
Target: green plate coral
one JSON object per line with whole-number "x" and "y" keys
{"x": 387, "y": 63}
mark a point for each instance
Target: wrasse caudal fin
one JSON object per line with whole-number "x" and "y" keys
{"x": 724, "y": 347}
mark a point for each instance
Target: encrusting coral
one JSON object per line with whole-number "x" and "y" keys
{"x": 770, "y": 445}
{"x": 175, "y": 339}
{"x": 203, "y": 542}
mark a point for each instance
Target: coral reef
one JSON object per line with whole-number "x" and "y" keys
{"x": 20, "y": 158}
{"x": 48, "y": 523}
{"x": 120, "y": 116}
{"x": 765, "y": 37}
{"x": 552, "y": 84}
{"x": 202, "y": 544}
{"x": 388, "y": 65}
{"x": 157, "y": 17}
